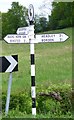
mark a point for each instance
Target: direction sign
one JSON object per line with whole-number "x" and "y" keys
{"x": 23, "y": 30}
{"x": 61, "y": 37}
{"x": 26, "y": 30}
{"x": 9, "y": 63}
{"x": 14, "y": 38}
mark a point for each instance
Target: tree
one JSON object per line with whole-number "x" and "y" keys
{"x": 73, "y": 13}
{"x": 61, "y": 16}
{"x": 14, "y": 18}
{"x": 37, "y": 24}
{"x": 40, "y": 24}
{"x": 0, "y": 25}
{"x": 43, "y": 24}
{"x": 5, "y": 24}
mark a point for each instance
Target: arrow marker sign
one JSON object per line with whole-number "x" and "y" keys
{"x": 14, "y": 38}
{"x": 61, "y": 37}
{"x": 9, "y": 63}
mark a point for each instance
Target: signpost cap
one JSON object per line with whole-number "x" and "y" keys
{"x": 31, "y": 14}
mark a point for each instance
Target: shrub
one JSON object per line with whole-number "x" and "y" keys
{"x": 46, "y": 101}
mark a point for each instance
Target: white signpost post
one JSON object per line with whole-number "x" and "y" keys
{"x": 26, "y": 35}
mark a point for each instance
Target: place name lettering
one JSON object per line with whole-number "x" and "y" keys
{"x": 10, "y": 36}
{"x": 21, "y": 33}
{"x": 48, "y": 35}
{"x": 18, "y": 41}
{"x": 22, "y": 29}
{"x": 17, "y": 36}
{"x": 47, "y": 40}
{"x": 15, "y": 41}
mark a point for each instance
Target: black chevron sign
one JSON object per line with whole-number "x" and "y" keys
{"x": 9, "y": 63}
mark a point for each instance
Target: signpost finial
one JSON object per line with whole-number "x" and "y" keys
{"x": 31, "y": 14}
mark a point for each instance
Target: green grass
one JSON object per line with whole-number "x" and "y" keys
{"x": 20, "y": 115}
{"x": 53, "y": 63}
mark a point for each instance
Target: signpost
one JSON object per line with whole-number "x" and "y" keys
{"x": 8, "y": 64}
{"x": 26, "y": 35}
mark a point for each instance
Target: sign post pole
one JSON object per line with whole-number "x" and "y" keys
{"x": 31, "y": 37}
{"x": 8, "y": 94}
{"x": 8, "y": 64}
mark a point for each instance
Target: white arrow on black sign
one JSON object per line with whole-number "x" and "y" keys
{"x": 9, "y": 63}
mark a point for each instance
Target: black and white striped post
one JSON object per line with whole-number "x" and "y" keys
{"x": 31, "y": 38}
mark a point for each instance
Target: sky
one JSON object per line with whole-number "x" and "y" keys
{"x": 6, "y": 4}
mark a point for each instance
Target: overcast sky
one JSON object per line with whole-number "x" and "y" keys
{"x": 6, "y": 4}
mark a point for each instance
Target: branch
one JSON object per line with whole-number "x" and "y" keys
{"x": 54, "y": 95}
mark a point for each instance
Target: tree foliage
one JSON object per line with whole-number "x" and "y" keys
{"x": 41, "y": 24}
{"x": 0, "y": 25}
{"x": 14, "y": 18}
{"x": 61, "y": 16}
